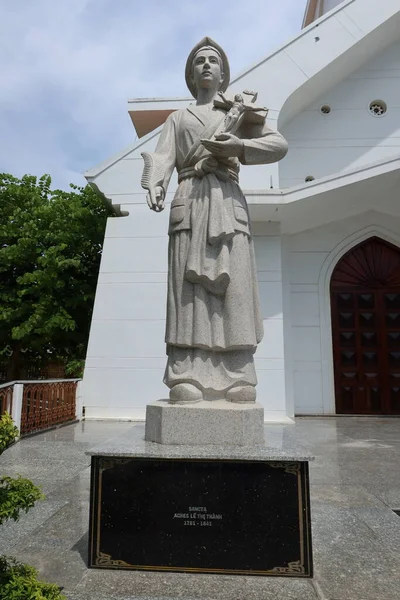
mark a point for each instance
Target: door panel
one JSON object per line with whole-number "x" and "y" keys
{"x": 365, "y": 307}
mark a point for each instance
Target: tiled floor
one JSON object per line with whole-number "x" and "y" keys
{"x": 355, "y": 484}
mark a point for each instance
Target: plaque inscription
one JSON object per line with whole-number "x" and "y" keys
{"x": 213, "y": 516}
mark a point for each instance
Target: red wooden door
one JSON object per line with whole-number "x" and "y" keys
{"x": 365, "y": 307}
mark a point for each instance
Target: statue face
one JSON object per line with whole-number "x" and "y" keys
{"x": 207, "y": 72}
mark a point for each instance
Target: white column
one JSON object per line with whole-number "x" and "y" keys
{"x": 18, "y": 392}
{"x": 79, "y": 401}
{"x": 270, "y": 356}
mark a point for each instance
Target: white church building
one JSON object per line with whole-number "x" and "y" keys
{"x": 326, "y": 226}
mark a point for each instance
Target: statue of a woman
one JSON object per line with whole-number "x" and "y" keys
{"x": 213, "y": 311}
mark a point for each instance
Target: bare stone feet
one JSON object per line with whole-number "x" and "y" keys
{"x": 184, "y": 393}
{"x": 241, "y": 394}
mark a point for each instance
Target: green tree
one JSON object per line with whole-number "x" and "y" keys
{"x": 50, "y": 250}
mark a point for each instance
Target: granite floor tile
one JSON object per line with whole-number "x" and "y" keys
{"x": 139, "y": 584}
{"x": 345, "y": 496}
{"x": 49, "y": 485}
{"x": 385, "y": 524}
{"x": 35, "y": 448}
{"x": 63, "y": 529}
{"x": 377, "y": 478}
{"x": 77, "y": 488}
{"x": 349, "y": 558}
{"x": 359, "y": 587}
{"x": 360, "y": 428}
{"x": 64, "y": 567}
{"x": 356, "y": 537}
{"x": 325, "y": 472}
{"x": 350, "y": 469}
{"x": 87, "y": 431}
{"x": 13, "y": 533}
{"x": 37, "y": 468}
{"x": 388, "y": 493}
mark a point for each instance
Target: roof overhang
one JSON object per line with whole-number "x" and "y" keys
{"x": 149, "y": 113}
{"x": 373, "y": 187}
{"x": 310, "y": 13}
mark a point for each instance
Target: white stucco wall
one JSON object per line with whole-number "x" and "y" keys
{"x": 311, "y": 257}
{"x": 349, "y": 136}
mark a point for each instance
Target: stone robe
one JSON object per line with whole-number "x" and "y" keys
{"x": 213, "y": 311}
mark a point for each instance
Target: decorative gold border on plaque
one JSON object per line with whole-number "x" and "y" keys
{"x": 105, "y": 560}
{"x": 295, "y": 568}
{"x": 102, "y": 559}
{"x": 292, "y": 468}
{"x": 307, "y": 516}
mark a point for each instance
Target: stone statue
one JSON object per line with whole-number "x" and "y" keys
{"x": 213, "y": 310}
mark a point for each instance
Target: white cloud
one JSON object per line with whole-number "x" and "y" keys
{"x": 69, "y": 66}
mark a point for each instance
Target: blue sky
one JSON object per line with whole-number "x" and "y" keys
{"x": 68, "y": 67}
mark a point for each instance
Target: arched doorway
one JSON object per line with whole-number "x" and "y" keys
{"x": 365, "y": 308}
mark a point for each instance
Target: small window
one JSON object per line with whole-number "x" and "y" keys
{"x": 378, "y": 108}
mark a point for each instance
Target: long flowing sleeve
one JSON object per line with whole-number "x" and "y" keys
{"x": 160, "y": 164}
{"x": 262, "y": 145}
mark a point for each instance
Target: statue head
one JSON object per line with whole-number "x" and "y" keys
{"x": 207, "y": 65}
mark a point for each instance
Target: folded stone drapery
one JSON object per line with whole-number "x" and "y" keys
{"x": 212, "y": 225}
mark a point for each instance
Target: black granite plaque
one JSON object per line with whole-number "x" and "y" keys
{"x": 212, "y": 516}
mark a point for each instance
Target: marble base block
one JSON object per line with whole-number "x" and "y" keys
{"x": 218, "y": 422}
{"x": 171, "y": 507}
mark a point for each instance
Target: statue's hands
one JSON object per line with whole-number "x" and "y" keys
{"x": 155, "y": 198}
{"x": 224, "y": 145}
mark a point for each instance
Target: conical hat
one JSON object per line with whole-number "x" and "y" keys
{"x": 206, "y": 41}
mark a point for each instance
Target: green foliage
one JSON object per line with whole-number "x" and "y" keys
{"x": 20, "y": 582}
{"x": 50, "y": 250}
{"x": 74, "y": 368}
{"x": 17, "y": 495}
{"x": 8, "y": 431}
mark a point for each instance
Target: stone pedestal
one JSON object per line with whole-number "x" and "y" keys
{"x": 218, "y": 422}
{"x": 240, "y": 510}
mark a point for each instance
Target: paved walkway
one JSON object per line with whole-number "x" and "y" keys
{"x": 355, "y": 484}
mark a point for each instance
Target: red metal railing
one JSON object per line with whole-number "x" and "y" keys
{"x": 47, "y": 404}
{"x": 6, "y": 399}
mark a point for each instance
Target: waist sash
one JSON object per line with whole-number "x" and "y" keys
{"x": 209, "y": 165}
